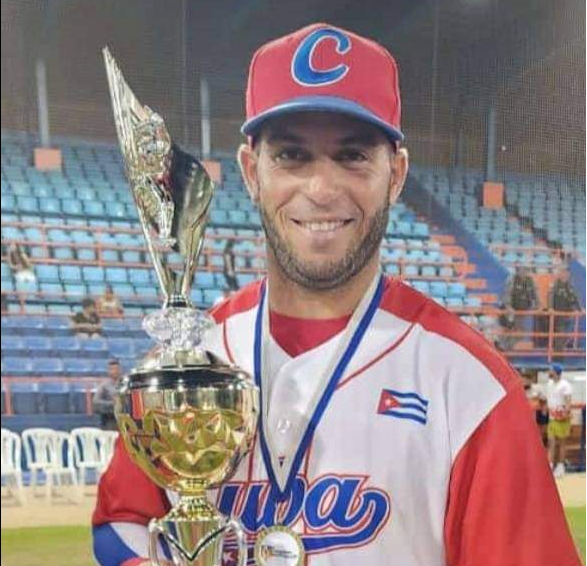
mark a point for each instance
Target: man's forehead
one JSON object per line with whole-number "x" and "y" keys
{"x": 321, "y": 126}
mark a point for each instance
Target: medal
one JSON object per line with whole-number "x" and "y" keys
{"x": 279, "y": 546}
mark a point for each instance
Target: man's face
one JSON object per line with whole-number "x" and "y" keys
{"x": 324, "y": 184}
{"x": 114, "y": 371}
{"x": 553, "y": 375}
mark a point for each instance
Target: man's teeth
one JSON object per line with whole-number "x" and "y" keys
{"x": 323, "y": 226}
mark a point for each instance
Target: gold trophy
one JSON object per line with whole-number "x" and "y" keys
{"x": 186, "y": 417}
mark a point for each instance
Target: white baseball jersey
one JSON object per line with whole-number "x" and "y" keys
{"x": 426, "y": 453}
{"x": 557, "y": 393}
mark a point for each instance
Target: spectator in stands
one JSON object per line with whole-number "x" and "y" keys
{"x": 520, "y": 295}
{"x": 563, "y": 298}
{"x": 229, "y": 265}
{"x": 558, "y": 398}
{"x": 87, "y": 323}
{"x": 103, "y": 401}
{"x": 20, "y": 264}
{"x": 109, "y": 304}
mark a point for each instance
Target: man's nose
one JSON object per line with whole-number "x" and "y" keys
{"x": 324, "y": 182}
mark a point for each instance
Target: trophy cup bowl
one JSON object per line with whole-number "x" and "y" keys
{"x": 186, "y": 417}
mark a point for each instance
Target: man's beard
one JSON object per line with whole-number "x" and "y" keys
{"x": 326, "y": 275}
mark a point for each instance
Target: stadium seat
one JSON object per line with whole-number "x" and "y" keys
{"x": 16, "y": 366}
{"x": 47, "y": 367}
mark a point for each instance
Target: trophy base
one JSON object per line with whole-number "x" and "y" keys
{"x": 193, "y": 530}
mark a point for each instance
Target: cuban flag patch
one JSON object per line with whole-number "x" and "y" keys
{"x": 403, "y": 405}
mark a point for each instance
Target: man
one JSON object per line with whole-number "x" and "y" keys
{"x": 20, "y": 264}
{"x": 103, "y": 401}
{"x": 228, "y": 262}
{"x": 390, "y": 433}
{"x": 520, "y": 295}
{"x": 87, "y": 323}
{"x": 562, "y": 298}
{"x": 109, "y": 304}
{"x": 558, "y": 399}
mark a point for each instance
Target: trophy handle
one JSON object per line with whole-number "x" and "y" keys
{"x": 154, "y": 531}
{"x": 241, "y": 540}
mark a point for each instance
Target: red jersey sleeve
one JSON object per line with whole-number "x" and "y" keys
{"x": 504, "y": 508}
{"x": 126, "y": 494}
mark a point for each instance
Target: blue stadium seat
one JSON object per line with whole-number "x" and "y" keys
{"x": 139, "y": 277}
{"x": 56, "y": 325}
{"x": 47, "y": 273}
{"x": 78, "y": 367}
{"x": 49, "y": 205}
{"x": 121, "y": 348}
{"x": 94, "y": 208}
{"x": 472, "y": 301}
{"x": 47, "y": 366}
{"x": 93, "y": 347}
{"x": 11, "y": 345}
{"x": 66, "y": 346}
{"x": 131, "y": 256}
{"x": 428, "y": 271}
{"x": 86, "y": 254}
{"x": 72, "y": 207}
{"x": 93, "y": 274}
{"x": 116, "y": 275}
{"x": 27, "y": 204}
{"x": 70, "y": 273}
{"x": 8, "y": 203}
{"x": 410, "y": 270}
{"x": 63, "y": 253}
{"x": 456, "y": 290}
{"x": 421, "y": 286}
{"x": 113, "y": 326}
{"x": 438, "y": 289}
{"x": 37, "y": 346}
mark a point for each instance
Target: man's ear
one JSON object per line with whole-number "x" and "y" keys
{"x": 399, "y": 172}
{"x": 248, "y": 160}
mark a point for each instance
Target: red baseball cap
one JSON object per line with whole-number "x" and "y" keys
{"x": 322, "y": 68}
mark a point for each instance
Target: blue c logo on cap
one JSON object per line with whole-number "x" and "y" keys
{"x": 302, "y": 69}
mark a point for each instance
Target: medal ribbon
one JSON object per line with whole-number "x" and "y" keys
{"x": 261, "y": 325}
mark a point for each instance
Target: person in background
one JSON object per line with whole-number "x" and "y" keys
{"x": 520, "y": 295}
{"x": 103, "y": 401}
{"x": 4, "y": 303}
{"x": 563, "y": 298}
{"x": 558, "y": 398}
{"x": 87, "y": 323}
{"x": 109, "y": 304}
{"x": 229, "y": 266}
{"x": 20, "y": 264}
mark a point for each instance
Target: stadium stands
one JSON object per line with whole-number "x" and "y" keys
{"x": 80, "y": 230}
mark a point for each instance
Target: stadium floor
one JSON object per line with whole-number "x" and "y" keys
{"x": 39, "y": 534}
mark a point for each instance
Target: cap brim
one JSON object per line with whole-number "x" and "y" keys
{"x": 333, "y": 104}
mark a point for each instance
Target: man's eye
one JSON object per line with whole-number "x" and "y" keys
{"x": 352, "y": 155}
{"x": 291, "y": 154}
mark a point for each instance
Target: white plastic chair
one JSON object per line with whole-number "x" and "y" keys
{"x": 107, "y": 440}
{"x": 87, "y": 443}
{"x": 51, "y": 452}
{"x": 12, "y": 464}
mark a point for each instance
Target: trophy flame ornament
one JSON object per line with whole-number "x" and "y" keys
{"x": 186, "y": 417}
